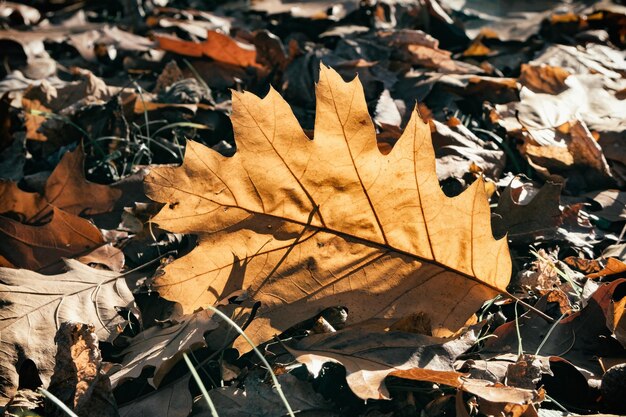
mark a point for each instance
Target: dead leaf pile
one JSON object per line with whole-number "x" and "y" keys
{"x": 410, "y": 208}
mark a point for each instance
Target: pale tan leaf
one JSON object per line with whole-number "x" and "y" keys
{"x": 302, "y": 225}
{"x": 34, "y": 306}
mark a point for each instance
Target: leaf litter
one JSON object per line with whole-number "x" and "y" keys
{"x": 442, "y": 235}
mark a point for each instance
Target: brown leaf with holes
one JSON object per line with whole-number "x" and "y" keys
{"x": 302, "y": 225}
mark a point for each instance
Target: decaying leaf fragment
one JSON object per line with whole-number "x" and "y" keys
{"x": 79, "y": 380}
{"x": 34, "y": 306}
{"x": 302, "y": 225}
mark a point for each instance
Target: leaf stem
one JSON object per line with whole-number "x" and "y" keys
{"x": 528, "y": 306}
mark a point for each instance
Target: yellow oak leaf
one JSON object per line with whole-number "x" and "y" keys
{"x": 302, "y": 225}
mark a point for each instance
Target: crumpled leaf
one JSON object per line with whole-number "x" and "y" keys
{"x": 34, "y": 306}
{"x": 40, "y": 100}
{"x": 311, "y": 224}
{"x": 421, "y": 49}
{"x": 89, "y": 43}
{"x": 78, "y": 378}
{"x": 591, "y": 96}
{"x": 544, "y": 78}
{"x": 485, "y": 389}
{"x": 515, "y": 21}
{"x": 370, "y": 355}
{"x": 25, "y": 403}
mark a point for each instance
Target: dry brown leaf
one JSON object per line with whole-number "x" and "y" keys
{"x": 612, "y": 203}
{"x": 533, "y": 220}
{"x": 62, "y": 100}
{"x": 173, "y": 400}
{"x": 449, "y": 378}
{"x": 107, "y": 255}
{"x": 565, "y": 150}
{"x": 616, "y": 314}
{"x": 217, "y": 46}
{"x": 41, "y": 248}
{"x": 302, "y": 225}
{"x": 259, "y": 398}
{"x": 79, "y": 380}
{"x": 421, "y": 49}
{"x": 370, "y": 355}
{"x": 544, "y": 78}
{"x": 613, "y": 267}
{"x": 458, "y": 148}
{"x": 572, "y": 339}
{"x": 162, "y": 346}
{"x": 34, "y": 306}
{"x": 18, "y": 203}
{"x": 68, "y": 189}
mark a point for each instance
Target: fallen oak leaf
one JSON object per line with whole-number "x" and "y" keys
{"x": 331, "y": 221}
{"x": 18, "y": 203}
{"x": 34, "y": 306}
{"x": 528, "y": 221}
{"x": 162, "y": 346}
{"x": 68, "y": 189}
{"x": 217, "y": 46}
{"x": 370, "y": 355}
{"x": 173, "y": 400}
{"x": 41, "y": 248}
{"x": 259, "y": 398}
